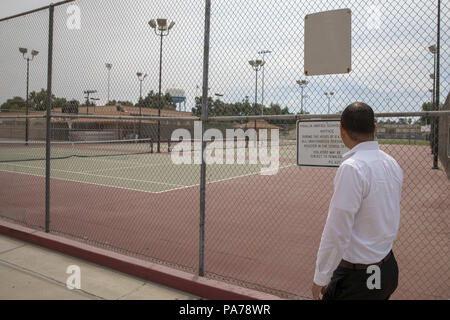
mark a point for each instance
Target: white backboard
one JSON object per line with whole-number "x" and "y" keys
{"x": 327, "y": 42}
{"x": 319, "y": 144}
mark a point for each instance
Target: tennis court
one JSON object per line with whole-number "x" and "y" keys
{"x": 125, "y": 164}
{"x": 262, "y": 232}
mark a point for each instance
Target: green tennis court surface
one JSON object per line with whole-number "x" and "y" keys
{"x": 121, "y": 165}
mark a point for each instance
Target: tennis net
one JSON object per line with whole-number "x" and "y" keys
{"x": 13, "y": 151}
{"x": 236, "y": 144}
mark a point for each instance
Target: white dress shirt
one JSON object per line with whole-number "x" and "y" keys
{"x": 364, "y": 213}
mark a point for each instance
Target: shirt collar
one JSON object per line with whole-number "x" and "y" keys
{"x": 362, "y": 146}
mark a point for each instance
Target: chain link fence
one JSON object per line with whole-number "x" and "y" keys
{"x": 128, "y": 88}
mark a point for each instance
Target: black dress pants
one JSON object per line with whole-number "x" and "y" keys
{"x": 351, "y": 284}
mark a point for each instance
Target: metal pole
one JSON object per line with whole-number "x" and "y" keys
{"x": 160, "y": 97}
{"x": 329, "y": 100}
{"x": 434, "y": 80}
{"x": 87, "y": 104}
{"x": 301, "y": 109}
{"x": 262, "y": 92}
{"x": 436, "y": 76}
{"x": 140, "y": 107}
{"x": 27, "y": 101}
{"x": 256, "y": 88}
{"x": 48, "y": 133}
{"x": 201, "y": 255}
{"x": 256, "y": 92}
{"x": 109, "y": 78}
{"x": 433, "y": 107}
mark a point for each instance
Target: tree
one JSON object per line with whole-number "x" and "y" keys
{"x": 122, "y": 103}
{"x": 58, "y": 102}
{"x": 245, "y": 108}
{"x": 16, "y": 103}
{"x": 197, "y": 109}
{"x": 428, "y": 106}
{"x": 71, "y": 107}
{"x": 38, "y": 100}
{"x": 152, "y": 101}
{"x": 402, "y": 120}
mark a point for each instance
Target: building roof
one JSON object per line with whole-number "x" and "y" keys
{"x": 260, "y": 124}
{"x": 129, "y": 111}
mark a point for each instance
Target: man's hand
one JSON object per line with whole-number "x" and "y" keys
{"x": 317, "y": 291}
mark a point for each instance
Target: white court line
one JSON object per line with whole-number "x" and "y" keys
{"x": 71, "y": 180}
{"x": 99, "y": 175}
{"x": 130, "y": 167}
{"x": 139, "y": 190}
{"x": 226, "y": 179}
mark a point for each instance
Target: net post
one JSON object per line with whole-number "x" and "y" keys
{"x": 48, "y": 118}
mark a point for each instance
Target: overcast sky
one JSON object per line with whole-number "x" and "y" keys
{"x": 390, "y": 60}
{"x": 12, "y": 7}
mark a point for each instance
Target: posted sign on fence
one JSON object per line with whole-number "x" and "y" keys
{"x": 319, "y": 143}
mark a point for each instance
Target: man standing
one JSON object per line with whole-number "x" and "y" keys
{"x": 355, "y": 258}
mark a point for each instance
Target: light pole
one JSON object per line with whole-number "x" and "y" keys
{"x": 95, "y": 99}
{"x": 432, "y": 103}
{"x": 108, "y": 66}
{"x": 433, "y": 51}
{"x": 34, "y": 53}
{"x": 161, "y": 29}
{"x": 428, "y": 120}
{"x": 256, "y": 65}
{"x": 329, "y": 95}
{"x": 88, "y": 93}
{"x": 302, "y": 84}
{"x": 263, "y": 52}
{"x": 140, "y": 78}
{"x": 433, "y": 90}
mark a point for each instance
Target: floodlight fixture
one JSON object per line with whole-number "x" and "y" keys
{"x": 152, "y": 23}
{"x": 302, "y": 82}
{"x": 432, "y": 49}
{"x": 161, "y": 30}
{"x": 162, "y": 24}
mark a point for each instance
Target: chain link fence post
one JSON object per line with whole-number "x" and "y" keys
{"x": 48, "y": 119}
{"x": 436, "y": 80}
{"x": 201, "y": 268}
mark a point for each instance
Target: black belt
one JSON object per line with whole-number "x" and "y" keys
{"x": 357, "y": 266}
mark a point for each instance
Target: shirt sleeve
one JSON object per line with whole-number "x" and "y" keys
{"x": 345, "y": 203}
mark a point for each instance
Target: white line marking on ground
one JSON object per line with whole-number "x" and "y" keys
{"x": 99, "y": 175}
{"x": 130, "y": 167}
{"x": 222, "y": 180}
{"x": 140, "y": 190}
{"x": 83, "y": 182}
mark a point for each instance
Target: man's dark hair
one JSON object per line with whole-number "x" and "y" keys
{"x": 358, "y": 120}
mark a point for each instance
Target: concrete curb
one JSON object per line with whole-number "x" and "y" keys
{"x": 200, "y": 286}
